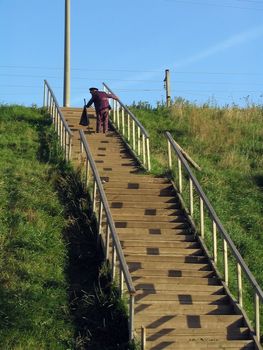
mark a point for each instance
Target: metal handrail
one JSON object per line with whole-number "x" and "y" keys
{"x": 116, "y": 246}
{"x": 139, "y": 139}
{"x": 129, "y": 112}
{"x": 217, "y": 226}
{"x": 61, "y": 126}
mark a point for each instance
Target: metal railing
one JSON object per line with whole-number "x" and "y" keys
{"x": 131, "y": 129}
{"x": 61, "y": 126}
{"x": 107, "y": 231}
{"x": 184, "y": 173}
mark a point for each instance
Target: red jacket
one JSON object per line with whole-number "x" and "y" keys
{"x": 100, "y": 100}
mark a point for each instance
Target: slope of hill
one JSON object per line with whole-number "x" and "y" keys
{"x": 228, "y": 145}
{"x": 33, "y": 290}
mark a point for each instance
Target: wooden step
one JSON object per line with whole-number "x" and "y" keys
{"x": 176, "y": 309}
{"x": 122, "y": 166}
{"x": 194, "y": 281}
{"x": 149, "y": 218}
{"x": 196, "y": 334}
{"x": 163, "y": 251}
{"x": 145, "y": 191}
{"x": 170, "y": 273}
{"x": 168, "y": 297}
{"x": 145, "y": 211}
{"x": 114, "y": 158}
{"x": 142, "y": 179}
{"x": 124, "y": 171}
{"x": 153, "y": 225}
{"x": 156, "y": 234}
{"x": 172, "y": 266}
{"x": 164, "y": 258}
{"x": 187, "y": 322}
{"x": 176, "y": 287}
{"x": 116, "y": 185}
{"x": 133, "y": 243}
{"x": 202, "y": 344}
{"x": 119, "y": 197}
{"x": 146, "y": 206}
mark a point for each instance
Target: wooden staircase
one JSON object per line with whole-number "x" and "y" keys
{"x": 180, "y": 300}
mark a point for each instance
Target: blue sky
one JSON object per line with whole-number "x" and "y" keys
{"x": 213, "y": 49}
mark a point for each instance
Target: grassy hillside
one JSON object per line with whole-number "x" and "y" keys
{"x": 228, "y": 145}
{"x": 34, "y": 309}
{"x": 55, "y": 292}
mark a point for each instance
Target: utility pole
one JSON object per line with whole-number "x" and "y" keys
{"x": 167, "y": 87}
{"x": 66, "y": 100}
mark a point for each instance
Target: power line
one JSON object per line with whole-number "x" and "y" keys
{"x": 161, "y": 82}
{"x": 218, "y": 73}
{"x": 127, "y": 89}
{"x": 215, "y": 83}
{"x": 84, "y": 69}
{"x": 132, "y": 80}
{"x": 135, "y": 71}
{"x": 79, "y": 78}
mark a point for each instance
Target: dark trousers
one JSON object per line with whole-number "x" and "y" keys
{"x": 102, "y": 120}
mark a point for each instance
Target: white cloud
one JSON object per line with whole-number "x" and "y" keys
{"x": 224, "y": 45}
{"x": 221, "y": 46}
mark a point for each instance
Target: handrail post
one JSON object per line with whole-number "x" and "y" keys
{"x": 49, "y": 101}
{"x": 60, "y": 132}
{"x": 138, "y": 141}
{"x": 131, "y": 318}
{"x": 118, "y": 115}
{"x": 225, "y": 261}
{"x": 66, "y": 146}
{"x": 114, "y": 111}
{"x": 180, "y": 176}
{"x": 113, "y": 262}
{"x": 257, "y": 317}
{"x": 129, "y": 127}
{"x": 148, "y": 154}
{"x": 94, "y": 196}
{"x": 100, "y": 217}
{"x": 121, "y": 281}
{"x": 239, "y": 282}
{"x": 107, "y": 245}
{"x": 169, "y": 155}
{"x": 55, "y": 119}
{"x": 202, "y": 226}
{"x": 65, "y": 140}
{"x": 133, "y": 134}
{"x": 214, "y": 242}
{"x": 88, "y": 171}
{"x": 122, "y": 121}
{"x": 70, "y": 148}
{"x": 191, "y": 197}
{"x": 143, "y": 150}
{"x": 143, "y": 338}
{"x": 44, "y": 97}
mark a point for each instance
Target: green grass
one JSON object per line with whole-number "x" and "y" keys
{"x": 55, "y": 291}
{"x": 33, "y": 290}
{"x": 228, "y": 145}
